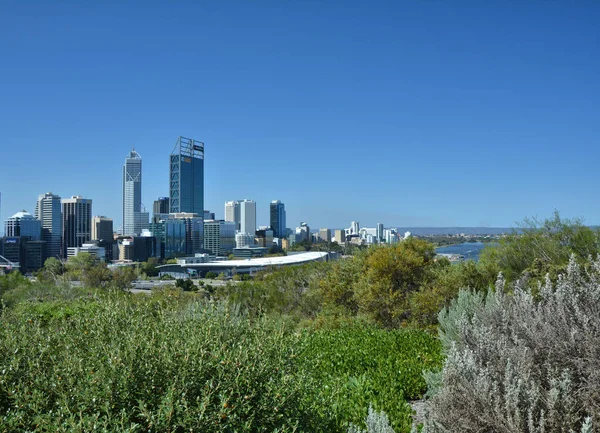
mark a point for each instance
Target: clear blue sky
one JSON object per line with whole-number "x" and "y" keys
{"x": 410, "y": 113}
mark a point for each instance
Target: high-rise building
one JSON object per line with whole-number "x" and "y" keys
{"x": 303, "y": 233}
{"x": 48, "y": 211}
{"x": 194, "y": 231}
{"x": 219, "y": 237}
{"x": 380, "y": 235}
{"x": 325, "y": 235}
{"x": 23, "y": 224}
{"x": 186, "y": 176}
{"x": 208, "y": 215}
{"x": 77, "y": 222}
{"x": 278, "y": 219}
{"x": 247, "y": 216}
{"x": 161, "y": 205}
{"x": 232, "y": 213}
{"x": 135, "y": 218}
{"x": 102, "y": 228}
{"x": 340, "y": 236}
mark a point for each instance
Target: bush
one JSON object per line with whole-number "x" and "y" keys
{"x": 359, "y": 366}
{"x": 519, "y": 362}
{"x": 150, "y": 363}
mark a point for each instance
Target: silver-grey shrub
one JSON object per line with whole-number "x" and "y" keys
{"x": 377, "y": 422}
{"x": 519, "y": 361}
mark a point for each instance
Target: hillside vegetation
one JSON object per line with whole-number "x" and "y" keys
{"x": 321, "y": 347}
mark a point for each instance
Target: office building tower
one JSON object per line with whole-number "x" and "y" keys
{"x": 247, "y": 216}
{"x": 23, "y": 224}
{"x": 303, "y": 233}
{"x": 102, "y": 228}
{"x": 277, "y": 219}
{"x": 77, "y": 222}
{"x": 161, "y": 205}
{"x": 48, "y": 211}
{"x": 103, "y": 234}
{"x": 208, "y": 215}
{"x": 194, "y": 231}
{"x": 219, "y": 237}
{"x": 244, "y": 240}
{"x": 264, "y": 238}
{"x": 325, "y": 235}
{"x": 232, "y": 213}
{"x": 135, "y": 217}
{"x": 380, "y": 234}
{"x": 26, "y": 254}
{"x": 186, "y": 177}
{"x": 339, "y": 236}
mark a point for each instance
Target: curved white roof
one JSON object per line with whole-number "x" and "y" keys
{"x": 23, "y": 215}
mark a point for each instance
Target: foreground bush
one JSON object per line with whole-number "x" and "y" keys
{"x": 521, "y": 363}
{"x": 359, "y": 366}
{"x": 122, "y": 363}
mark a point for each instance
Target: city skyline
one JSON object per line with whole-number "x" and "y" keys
{"x": 411, "y": 114}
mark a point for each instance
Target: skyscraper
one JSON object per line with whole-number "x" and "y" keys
{"x": 135, "y": 219}
{"x": 247, "y": 216}
{"x": 161, "y": 205}
{"x": 48, "y": 211}
{"x": 232, "y": 213}
{"x": 23, "y": 224}
{"x": 102, "y": 228}
{"x": 186, "y": 176}
{"x": 76, "y": 222}
{"x": 380, "y": 234}
{"x": 278, "y": 218}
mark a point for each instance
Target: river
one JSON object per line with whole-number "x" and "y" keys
{"x": 470, "y": 250}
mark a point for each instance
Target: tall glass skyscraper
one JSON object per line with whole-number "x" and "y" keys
{"x": 278, "y": 219}
{"x": 48, "y": 211}
{"x": 135, "y": 219}
{"x": 76, "y": 222}
{"x": 186, "y": 177}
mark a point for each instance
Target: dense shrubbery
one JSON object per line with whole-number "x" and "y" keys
{"x": 149, "y": 364}
{"x": 520, "y": 362}
{"x": 359, "y": 366}
{"x": 523, "y": 357}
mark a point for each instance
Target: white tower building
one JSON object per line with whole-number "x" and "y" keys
{"x": 248, "y": 216}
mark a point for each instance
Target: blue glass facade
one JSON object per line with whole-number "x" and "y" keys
{"x": 187, "y": 177}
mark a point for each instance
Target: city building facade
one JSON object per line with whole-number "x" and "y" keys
{"x": 186, "y": 177}
{"x": 277, "y": 218}
{"x": 247, "y": 216}
{"x": 135, "y": 218}
{"x": 76, "y": 222}
{"x": 48, "y": 211}
{"x": 219, "y": 237}
{"x": 232, "y": 213}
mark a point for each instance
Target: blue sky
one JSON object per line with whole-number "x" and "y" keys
{"x": 410, "y": 113}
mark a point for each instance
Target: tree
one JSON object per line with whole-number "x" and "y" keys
{"x": 186, "y": 285}
{"x": 150, "y": 268}
{"x": 211, "y": 275}
{"x": 123, "y": 276}
{"x": 393, "y": 272}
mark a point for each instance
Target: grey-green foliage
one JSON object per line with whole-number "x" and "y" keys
{"x": 377, "y": 422}
{"x": 518, "y": 362}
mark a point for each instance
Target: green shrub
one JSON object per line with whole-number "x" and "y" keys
{"x": 155, "y": 363}
{"x": 359, "y": 366}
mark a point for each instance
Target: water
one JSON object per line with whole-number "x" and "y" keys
{"x": 470, "y": 250}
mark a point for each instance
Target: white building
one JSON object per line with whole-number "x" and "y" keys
{"x": 92, "y": 249}
{"x": 391, "y": 236}
{"x": 135, "y": 218}
{"x": 248, "y": 216}
{"x": 232, "y": 213}
{"x": 243, "y": 240}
